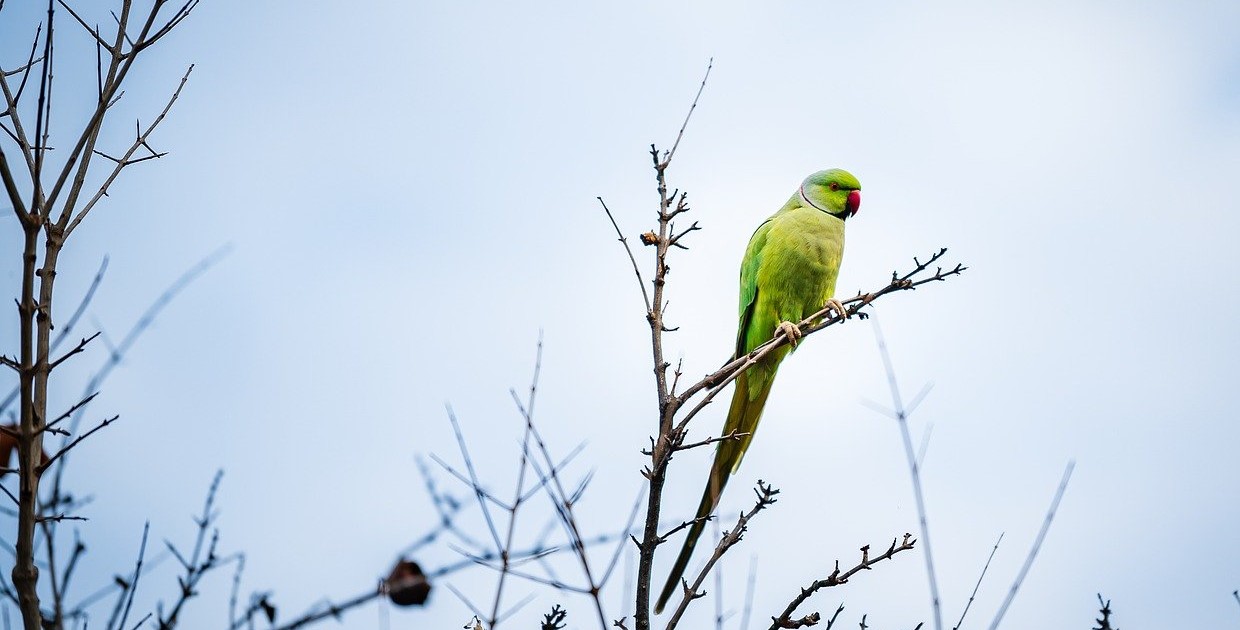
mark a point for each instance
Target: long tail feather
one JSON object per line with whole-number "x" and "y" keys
{"x": 742, "y": 418}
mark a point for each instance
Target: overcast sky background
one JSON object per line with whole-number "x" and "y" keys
{"x": 409, "y": 193}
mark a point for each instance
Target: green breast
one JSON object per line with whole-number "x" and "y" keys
{"x": 801, "y": 261}
{"x": 795, "y": 258}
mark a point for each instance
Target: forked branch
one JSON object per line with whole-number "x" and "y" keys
{"x": 766, "y": 498}
{"x": 785, "y": 620}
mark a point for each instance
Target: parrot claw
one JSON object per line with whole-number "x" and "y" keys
{"x": 790, "y": 331}
{"x": 837, "y": 306}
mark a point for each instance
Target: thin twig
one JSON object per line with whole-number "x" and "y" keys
{"x": 641, "y": 283}
{"x": 1037, "y": 544}
{"x": 901, "y": 417}
{"x": 137, "y": 573}
{"x": 131, "y": 336}
{"x": 518, "y": 556}
{"x": 979, "y": 583}
{"x": 785, "y": 620}
{"x": 76, "y": 350}
{"x": 1104, "y": 608}
{"x": 766, "y": 498}
{"x": 65, "y": 449}
{"x": 234, "y": 592}
{"x": 334, "y": 610}
{"x": 620, "y": 545}
{"x": 67, "y": 327}
{"x": 563, "y": 502}
{"x": 126, "y": 160}
{"x": 680, "y": 134}
{"x": 518, "y": 493}
{"x": 94, "y": 32}
{"x": 734, "y": 435}
{"x": 689, "y": 523}
{"x": 479, "y": 493}
{"x": 196, "y": 565}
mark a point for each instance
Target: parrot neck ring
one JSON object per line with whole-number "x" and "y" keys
{"x": 806, "y": 199}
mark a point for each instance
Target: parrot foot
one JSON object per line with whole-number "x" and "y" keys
{"x": 790, "y": 331}
{"x": 837, "y": 306}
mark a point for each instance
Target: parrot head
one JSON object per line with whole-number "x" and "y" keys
{"x": 834, "y": 191}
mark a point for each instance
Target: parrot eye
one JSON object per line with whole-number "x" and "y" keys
{"x": 833, "y": 186}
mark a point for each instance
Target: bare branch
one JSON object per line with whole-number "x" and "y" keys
{"x": 689, "y": 523}
{"x": 76, "y": 350}
{"x": 74, "y": 556}
{"x": 519, "y": 492}
{"x": 552, "y": 582}
{"x": 554, "y": 620}
{"x": 196, "y": 565}
{"x": 479, "y": 493}
{"x": 10, "y": 495}
{"x": 1037, "y": 544}
{"x": 25, "y": 67}
{"x": 126, "y": 160}
{"x": 172, "y": 23}
{"x": 979, "y": 583}
{"x": 448, "y": 509}
{"x": 122, "y": 27}
{"x": 60, "y": 517}
{"x": 133, "y": 583}
{"x": 624, "y": 241}
{"x": 562, "y": 502}
{"x": 675, "y": 242}
{"x": 823, "y": 318}
{"x": 65, "y": 449}
{"x": 517, "y": 556}
{"x": 766, "y": 498}
{"x": 134, "y": 333}
{"x": 334, "y": 610}
{"x": 680, "y": 134}
{"x": 51, "y": 426}
{"x": 94, "y": 32}
{"x": 10, "y": 187}
{"x": 118, "y": 68}
{"x": 734, "y": 435}
{"x": 901, "y": 417}
{"x": 1105, "y": 610}
{"x": 628, "y": 528}
{"x": 43, "y": 110}
{"x": 784, "y": 620}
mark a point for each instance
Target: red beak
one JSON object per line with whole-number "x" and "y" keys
{"x": 854, "y": 203}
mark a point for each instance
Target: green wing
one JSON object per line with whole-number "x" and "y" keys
{"x": 749, "y": 284}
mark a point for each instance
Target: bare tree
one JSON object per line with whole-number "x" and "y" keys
{"x": 50, "y": 193}
{"x": 50, "y": 198}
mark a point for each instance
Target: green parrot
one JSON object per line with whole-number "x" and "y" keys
{"x": 788, "y": 273}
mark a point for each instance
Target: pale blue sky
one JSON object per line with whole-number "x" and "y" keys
{"x": 409, "y": 190}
